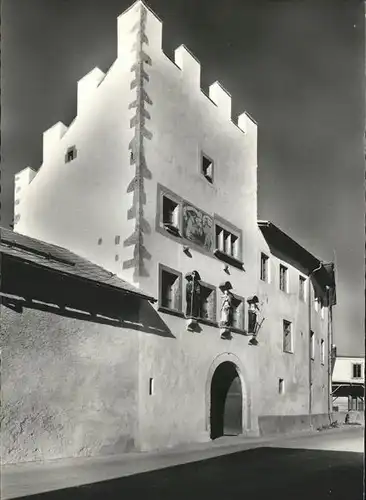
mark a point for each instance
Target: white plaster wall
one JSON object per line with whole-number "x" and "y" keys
{"x": 183, "y": 122}
{"x": 21, "y": 183}
{"x": 75, "y": 204}
{"x": 292, "y": 367}
{"x": 178, "y": 410}
{"x": 69, "y": 387}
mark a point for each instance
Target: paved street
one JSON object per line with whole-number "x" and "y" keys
{"x": 328, "y": 464}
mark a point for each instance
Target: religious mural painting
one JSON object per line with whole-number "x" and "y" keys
{"x": 197, "y": 227}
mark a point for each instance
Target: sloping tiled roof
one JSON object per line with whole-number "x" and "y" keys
{"x": 281, "y": 241}
{"x": 62, "y": 260}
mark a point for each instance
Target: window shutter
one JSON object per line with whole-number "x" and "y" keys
{"x": 211, "y": 306}
{"x": 177, "y": 294}
{"x": 241, "y": 315}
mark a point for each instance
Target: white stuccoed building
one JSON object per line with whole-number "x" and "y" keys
{"x": 154, "y": 180}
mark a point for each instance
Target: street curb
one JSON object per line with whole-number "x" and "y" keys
{"x": 31, "y": 478}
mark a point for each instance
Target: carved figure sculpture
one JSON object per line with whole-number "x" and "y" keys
{"x": 193, "y": 298}
{"x": 227, "y": 310}
{"x": 253, "y": 315}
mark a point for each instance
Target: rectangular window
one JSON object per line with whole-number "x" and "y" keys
{"x": 207, "y": 168}
{"x": 227, "y": 242}
{"x": 312, "y": 345}
{"x": 208, "y": 302}
{"x": 283, "y": 278}
{"x": 170, "y": 296}
{"x": 264, "y": 267}
{"x": 316, "y": 304}
{"x": 356, "y": 370}
{"x": 281, "y": 386}
{"x": 322, "y": 352}
{"x": 302, "y": 282}
{"x": 287, "y": 336}
{"x": 151, "y": 386}
{"x": 238, "y": 312}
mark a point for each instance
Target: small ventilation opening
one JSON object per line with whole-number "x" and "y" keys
{"x": 70, "y": 154}
{"x": 281, "y": 386}
{"x": 151, "y": 386}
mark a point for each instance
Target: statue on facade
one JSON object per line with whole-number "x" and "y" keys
{"x": 253, "y": 315}
{"x": 227, "y": 310}
{"x": 193, "y": 299}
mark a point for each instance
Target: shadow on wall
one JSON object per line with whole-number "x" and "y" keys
{"x": 27, "y": 286}
{"x": 144, "y": 319}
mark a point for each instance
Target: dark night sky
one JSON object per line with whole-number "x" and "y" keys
{"x": 296, "y": 66}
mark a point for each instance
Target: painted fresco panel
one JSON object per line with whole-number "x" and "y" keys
{"x": 197, "y": 227}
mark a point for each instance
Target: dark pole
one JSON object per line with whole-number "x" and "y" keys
{"x": 310, "y": 326}
{"x": 309, "y": 351}
{"x": 329, "y": 356}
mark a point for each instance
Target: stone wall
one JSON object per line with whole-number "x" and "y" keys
{"x": 69, "y": 387}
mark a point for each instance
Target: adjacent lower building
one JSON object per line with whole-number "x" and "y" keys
{"x": 348, "y": 383}
{"x": 155, "y": 184}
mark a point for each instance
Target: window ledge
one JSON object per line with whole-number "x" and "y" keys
{"x": 172, "y": 230}
{"x": 204, "y": 321}
{"x": 240, "y": 331}
{"x": 173, "y": 312}
{"x": 229, "y": 259}
{"x": 288, "y": 352}
{"x": 208, "y": 178}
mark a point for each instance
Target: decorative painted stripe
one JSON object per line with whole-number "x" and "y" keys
{"x": 137, "y": 152}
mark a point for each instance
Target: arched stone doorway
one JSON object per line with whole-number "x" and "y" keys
{"x": 226, "y": 401}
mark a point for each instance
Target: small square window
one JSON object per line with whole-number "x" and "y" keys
{"x": 208, "y": 302}
{"x": 207, "y": 167}
{"x": 312, "y": 345}
{"x": 264, "y": 267}
{"x": 170, "y": 296}
{"x": 151, "y": 386}
{"x": 283, "y": 278}
{"x": 171, "y": 215}
{"x": 71, "y": 154}
{"x": 281, "y": 386}
{"x": 357, "y": 368}
{"x": 287, "y": 336}
{"x": 302, "y": 282}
